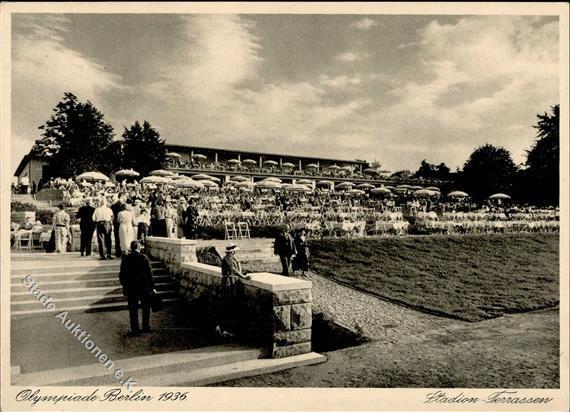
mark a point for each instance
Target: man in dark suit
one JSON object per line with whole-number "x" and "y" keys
{"x": 284, "y": 246}
{"x": 138, "y": 286}
{"x": 116, "y": 208}
{"x": 87, "y": 226}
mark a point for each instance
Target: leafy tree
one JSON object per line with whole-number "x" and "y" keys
{"x": 74, "y": 138}
{"x": 402, "y": 174}
{"x": 376, "y": 165}
{"x": 143, "y": 150}
{"x": 488, "y": 170}
{"x": 112, "y": 158}
{"x": 542, "y": 176}
{"x": 432, "y": 171}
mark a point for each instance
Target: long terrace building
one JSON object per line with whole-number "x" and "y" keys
{"x": 222, "y": 163}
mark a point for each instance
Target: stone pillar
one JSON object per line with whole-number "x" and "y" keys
{"x": 278, "y": 308}
{"x": 292, "y": 321}
{"x": 172, "y": 252}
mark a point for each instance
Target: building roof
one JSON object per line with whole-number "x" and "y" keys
{"x": 176, "y": 147}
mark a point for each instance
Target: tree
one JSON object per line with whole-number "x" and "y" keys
{"x": 74, "y": 138}
{"x": 542, "y": 176}
{"x": 488, "y": 170}
{"x": 401, "y": 174}
{"x": 143, "y": 150}
{"x": 375, "y": 164}
{"x": 432, "y": 171}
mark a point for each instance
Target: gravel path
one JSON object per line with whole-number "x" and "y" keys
{"x": 415, "y": 349}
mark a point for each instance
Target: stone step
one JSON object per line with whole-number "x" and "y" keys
{"x": 85, "y": 308}
{"x": 70, "y": 267}
{"x": 62, "y": 303}
{"x": 223, "y": 373}
{"x": 106, "y": 280}
{"x": 196, "y": 367}
{"x": 41, "y": 277}
{"x": 141, "y": 366}
{"x": 22, "y": 294}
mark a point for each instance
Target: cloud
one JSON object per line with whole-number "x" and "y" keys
{"x": 365, "y": 23}
{"x": 217, "y": 79}
{"x": 340, "y": 81}
{"x": 43, "y": 68}
{"x": 480, "y": 80}
{"x": 348, "y": 57}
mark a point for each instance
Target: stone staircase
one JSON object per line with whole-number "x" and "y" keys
{"x": 76, "y": 283}
{"x": 195, "y": 367}
{"x": 256, "y": 250}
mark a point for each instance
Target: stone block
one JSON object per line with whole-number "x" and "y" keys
{"x": 281, "y": 318}
{"x": 288, "y": 297}
{"x": 291, "y": 337}
{"x": 291, "y": 350}
{"x": 301, "y": 316}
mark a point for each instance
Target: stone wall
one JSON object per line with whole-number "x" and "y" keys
{"x": 172, "y": 252}
{"x": 271, "y": 310}
{"x": 274, "y": 310}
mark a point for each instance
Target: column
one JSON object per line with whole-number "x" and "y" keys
{"x": 300, "y": 165}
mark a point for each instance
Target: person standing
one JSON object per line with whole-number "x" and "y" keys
{"x": 284, "y": 247}
{"x": 103, "y": 218}
{"x": 158, "y": 219}
{"x": 301, "y": 260}
{"x": 138, "y": 286}
{"x": 191, "y": 220}
{"x": 116, "y": 208}
{"x": 143, "y": 222}
{"x": 228, "y": 305}
{"x": 126, "y": 225}
{"x": 61, "y": 229}
{"x": 87, "y": 226}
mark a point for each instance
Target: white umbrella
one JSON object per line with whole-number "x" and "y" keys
{"x": 188, "y": 183}
{"x": 287, "y": 164}
{"x": 173, "y": 154}
{"x": 334, "y": 167}
{"x": 457, "y": 193}
{"x": 239, "y": 178}
{"x": 296, "y": 188}
{"x": 127, "y": 173}
{"x": 267, "y": 184}
{"x": 499, "y": 196}
{"x": 209, "y": 183}
{"x": 312, "y": 166}
{"x": 202, "y": 176}
{"x": 92, "y": 176}
{"x": 324, "y": 183}
{"x": 234, "y": 161}
{"x": 433, "y": 188}
{"x": 371, "y": 171}
{"x": 345, "y": 184}
{"x": 356, "y": 192}
{"x": 380, "y": 191}
{"x": 161, "y": 172}
{"x": 249, "y": 162}
{"x": 270, "y": 162}
{"x": 199, "y": 156}
{"x": 244, "y": 184}
{"x": 273, "y": 179}
{"x": 305, "y": 181}
{"x": 416, "y": 187}
{"x": 403, "y": 187}
{"x": 155, "y": 180}
{"x": 365, "y": 186}
{"x": 425, "y": 192}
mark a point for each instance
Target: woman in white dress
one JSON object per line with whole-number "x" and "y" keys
{"x": 126, "y": 222}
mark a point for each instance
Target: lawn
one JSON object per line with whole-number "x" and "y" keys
{"x": 469, "y": 277}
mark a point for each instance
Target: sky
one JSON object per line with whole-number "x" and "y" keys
{"x": 396, "y": 89}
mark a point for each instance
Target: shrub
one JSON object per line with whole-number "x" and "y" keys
{"x": 22, "y": 207}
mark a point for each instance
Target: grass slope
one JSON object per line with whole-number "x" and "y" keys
{"x": 471, "y": 277}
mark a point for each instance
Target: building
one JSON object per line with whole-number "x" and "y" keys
{"x": 222, "y": 163}
{"x": 31, "y": 170}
